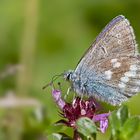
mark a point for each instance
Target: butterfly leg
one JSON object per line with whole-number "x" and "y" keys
{"x": 74, "y": 95}
{"x": 68, "y": 91}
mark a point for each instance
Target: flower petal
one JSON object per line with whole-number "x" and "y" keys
{"x": 103, "y": 119}
{"x": 57, "y": 97}
{"x": 103, "y": 125}
{"x": 100, "y": 117}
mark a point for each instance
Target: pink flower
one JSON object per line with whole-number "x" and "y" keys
{"x": 57, "y": 97}
{"x": 79, "y": 108}
{"x": 103, "y": 119}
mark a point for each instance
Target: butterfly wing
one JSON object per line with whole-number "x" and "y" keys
{"x": 111, "y": 64}
{"x": 117, "y": 38}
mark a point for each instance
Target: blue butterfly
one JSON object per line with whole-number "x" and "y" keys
{"x": 110, "y": 68}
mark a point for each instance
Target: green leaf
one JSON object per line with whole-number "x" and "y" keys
{"x": 130, "y": 127}
{"x": 117, "y": 119}
{"x": 122, "y": 114}
{"x": 65, "y": 137}
{"x": 58, "y": 136}
{"x": 86, "y": 127}
{"x": 54, "y": 136}
{"x": 115, "y": 123}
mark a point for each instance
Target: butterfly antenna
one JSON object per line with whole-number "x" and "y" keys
{"x": 53, "y": 79}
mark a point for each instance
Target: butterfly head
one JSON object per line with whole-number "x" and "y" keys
{"x": 68, "y": 75}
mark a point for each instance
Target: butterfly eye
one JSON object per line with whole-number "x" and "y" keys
{"x": 68, "y": 74}
{"x": 68, "y": 77}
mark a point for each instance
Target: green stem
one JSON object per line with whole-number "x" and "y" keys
{"x": 28, "y": 43}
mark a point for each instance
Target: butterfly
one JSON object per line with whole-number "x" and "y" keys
{"x": 110, "y": 69}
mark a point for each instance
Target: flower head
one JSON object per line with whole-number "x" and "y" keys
{"x": 79, "y": 108}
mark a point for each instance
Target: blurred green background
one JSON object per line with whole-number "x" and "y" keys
{"x": 41, "y": 38}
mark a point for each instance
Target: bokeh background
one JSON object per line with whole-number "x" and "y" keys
{"x": 42, "y": 38}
